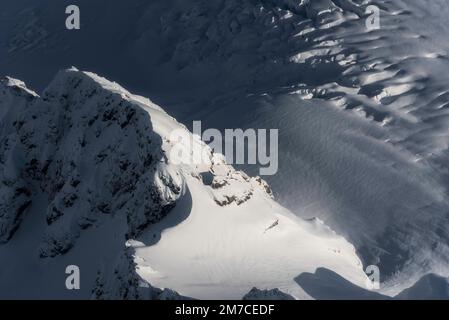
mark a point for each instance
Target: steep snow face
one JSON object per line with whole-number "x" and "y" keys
{"x": 93, "y": 164}
{"x": 88, "y": 150}
{"x": 227, "y": 236}
{"x": 79, "y": 157}
{"x": 213, "y": 252}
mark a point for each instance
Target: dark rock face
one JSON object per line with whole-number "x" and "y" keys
{"x": 273, "y": 294}
{"x": 87, "y": 151}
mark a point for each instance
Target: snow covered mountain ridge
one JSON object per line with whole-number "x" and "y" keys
{"x": 87, "y": 153}
{"x": 363, "y": 144}
{"x": 90, "y": 159}
{"x": 87, "y": 179}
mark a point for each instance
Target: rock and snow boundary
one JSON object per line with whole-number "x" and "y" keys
{"x": 87, "y": 180}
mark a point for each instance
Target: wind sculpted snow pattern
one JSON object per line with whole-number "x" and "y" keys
{"x": 361, "y": 114}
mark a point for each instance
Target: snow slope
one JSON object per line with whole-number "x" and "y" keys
{"x": 362, "y": 114}
{"x": 78, "y": 157}
{"x": 219, "y": 241}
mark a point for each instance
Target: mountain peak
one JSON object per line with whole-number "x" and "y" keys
{"x": 88, "y": 160}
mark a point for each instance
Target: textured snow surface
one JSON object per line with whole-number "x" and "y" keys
{"x": 362, "y": 114}
{"x": 203, "y": 248}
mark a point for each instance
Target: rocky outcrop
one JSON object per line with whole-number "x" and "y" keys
{"x": 273, "y": 294}
{"x": 86, "y": 152}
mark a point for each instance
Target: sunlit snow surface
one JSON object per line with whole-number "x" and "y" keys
{"x": 362, "y": 114}
{"x": 206, "y": 247}
{"x": 205, "y": 250}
